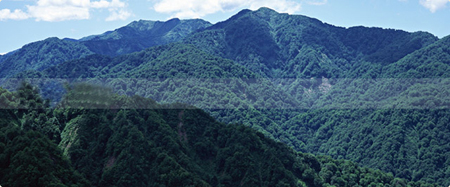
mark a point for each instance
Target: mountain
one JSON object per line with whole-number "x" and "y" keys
{"x": 4, "y": 56}
{"x": 142, "y": 34}
{"x": 417, "y": 81}
{"x": 374, "y": 96}
{"x": 182, "y": 146}
{"x": 41, "y": 55}
{"x": 432, "y": 61}
{"x": 295, "y": 46}
{"x": 136, "y": 36}
{"x": 174, "y": 73}
{"x": 390, "y": 123}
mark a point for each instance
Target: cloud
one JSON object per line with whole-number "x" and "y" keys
{"x": 200, "y": 8}
{"x": 119, "y": 14}
{"x": 61, "y": 10}
{"x": 317, "y": 2}
{"x": 6, "y": 14}
{"x": 58, "y": 13}
{"x": 433, "y": 5}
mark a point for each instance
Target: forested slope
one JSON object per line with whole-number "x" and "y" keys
{"x": 396, "y": 123}
{"x": 126, "y": 145}
{"x": 176, "y": 73}
{"x": 142, "y": 34}
{"x": 296, "y": 46}
{"x": 133, "y": 37}
{"x": 375, "y": 96}
{"x": 41, "y": 55}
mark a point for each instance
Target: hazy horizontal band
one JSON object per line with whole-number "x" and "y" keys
{"x": 239, "y": 93}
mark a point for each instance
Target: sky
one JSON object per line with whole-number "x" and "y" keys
{"x": 26, "y": 21}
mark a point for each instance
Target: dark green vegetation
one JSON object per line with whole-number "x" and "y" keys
{"x": 41, "y": 55}
{"x": 374, "y": 96}
{"x": 134, "y": 37}
{"x": 125, "y": 146}
{"x": 142, "y": 34}
{"x": 294, "y": 46}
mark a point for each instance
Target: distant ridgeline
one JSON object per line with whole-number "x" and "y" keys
{"x": 378, "y": 97}
{"x": 133, "y": 141}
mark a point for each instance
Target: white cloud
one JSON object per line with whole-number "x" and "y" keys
{"x": 118, "y": 14}
{"x": 200, "y": 8}
{"x": 6, "y": 14}
{"x": 58, "y": 13}
{"x": 60, "y": 10}
{"x": 107, "y": 4}
{"x": 318, "y": 2}
{"x": 434, "y": 5}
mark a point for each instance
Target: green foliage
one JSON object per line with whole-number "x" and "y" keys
{"x": 41, "y": 55}
{"x": 294, "y": 46}
{"x": 430, "y": 62}
{"x": 142, "y": 34}
{"x": 408, "y": 143}
{"x": 388, "y": 115}
{"x": 170, "y": 145}
{"x": 34, "y": 113}
{"x": 7, "y": 99}
{"x": 29, "y": 158}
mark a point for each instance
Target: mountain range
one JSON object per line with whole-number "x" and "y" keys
{"x": 377, "y": 97}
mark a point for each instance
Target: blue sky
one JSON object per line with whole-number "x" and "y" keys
{"x": 25, "y": 21}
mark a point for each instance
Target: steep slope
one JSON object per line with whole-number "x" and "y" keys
{"x": 417, "y": 81}
{"x": 396, "y": 123}
{"x": 5, "y": 56}
{"x": 28, "y": 157}
{"x": 295, "y": 46}
{"x": 408, "y": 143}
{"x": 430, "y": 62}
{"x": 176, "y": 73}
{"x": 357, "y": 79}
{"x": 2, "y": 58}
{"x": 41, "y": 55}
{"x": 182, "y": 73}
{"x": 386, "y": 69}
{"x": 136, "y": 36}
{"x": 142, "y": 34}
{"x": 182, "y": 146}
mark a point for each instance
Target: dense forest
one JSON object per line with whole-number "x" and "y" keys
{"x": 142, "y": 34}
{"x": 256, "y": 87}
{"x": 168, "y": 145}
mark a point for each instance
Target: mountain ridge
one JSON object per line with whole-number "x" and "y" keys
{"x": 139, "y": 35}
{"x": 265, "y": 40}
{"x": 314, "y": 86}
{"x": 143, "y": 33}
{"x": 40, "y": 55}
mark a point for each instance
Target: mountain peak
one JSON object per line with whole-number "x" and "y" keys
{"x": 266, "y": 10}
{"x": 261, "y": 12}
{"x": 52, "y": 39}
{"x": 140, "y": 22}
{"x": 142, "y": 34}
